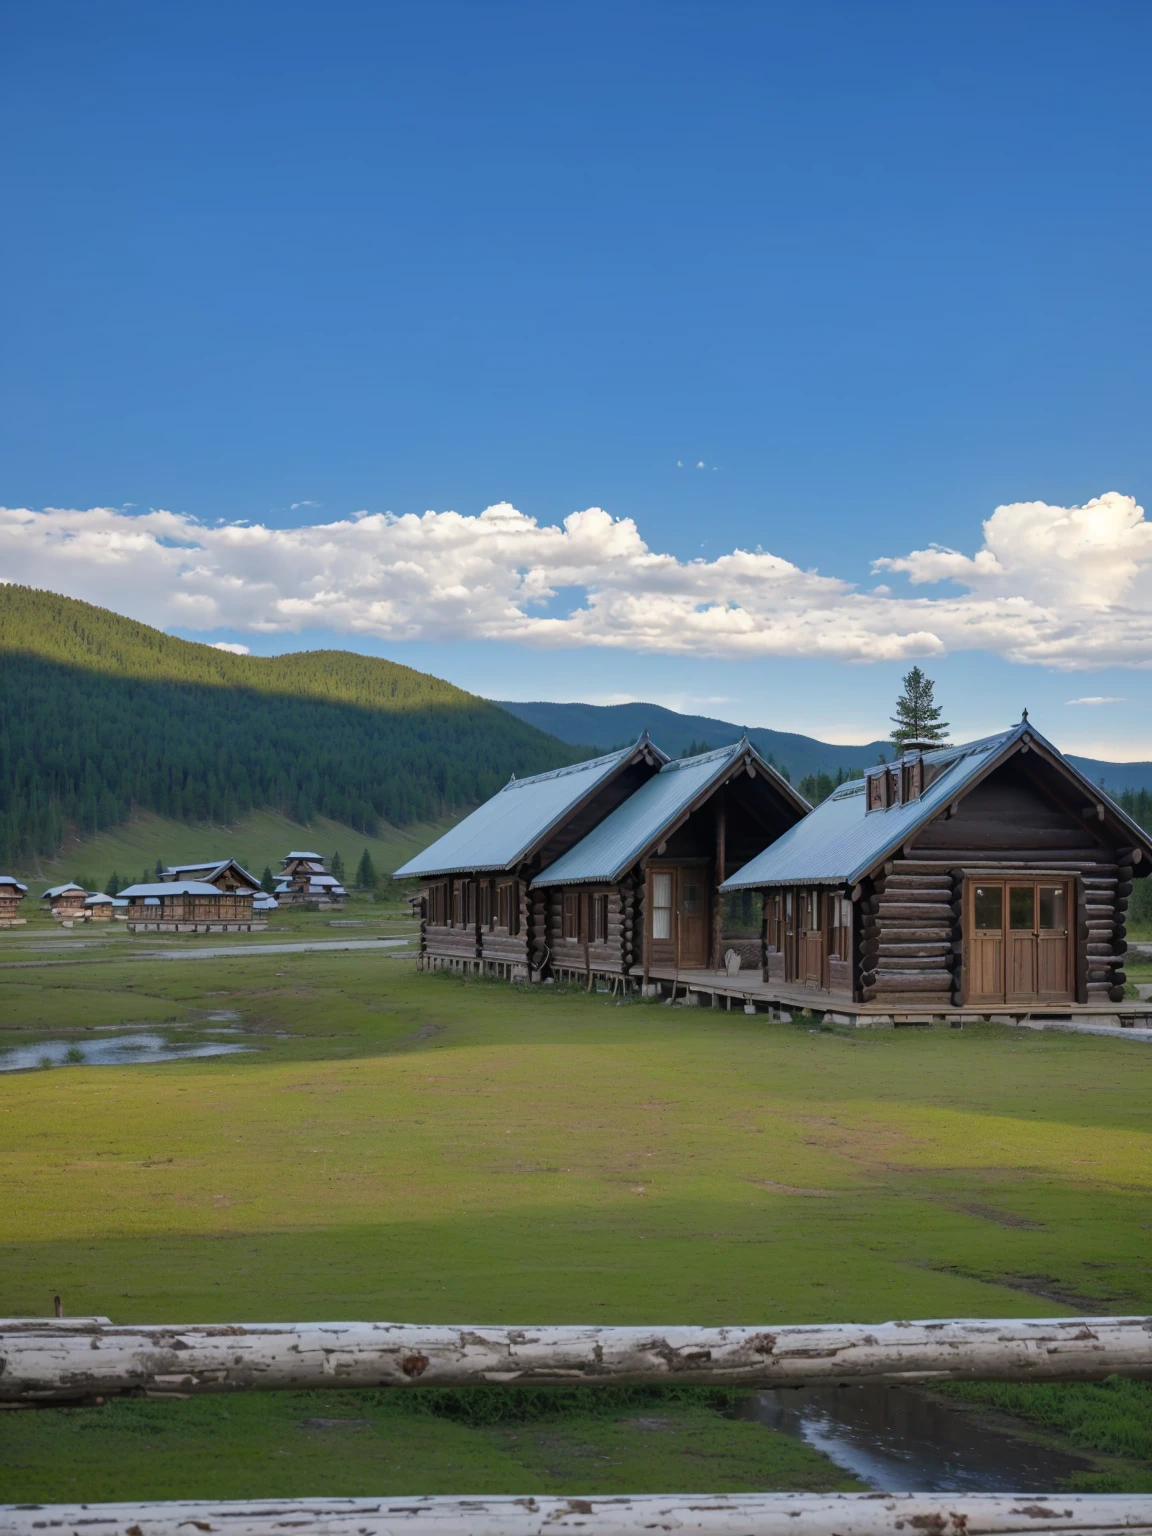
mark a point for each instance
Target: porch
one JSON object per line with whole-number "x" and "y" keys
{"x": 717, "y": 989}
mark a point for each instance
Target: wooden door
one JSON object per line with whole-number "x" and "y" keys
{"x": 1018, "y": 941}
{"x": 811, "y": 939}
{"x": 691, "y": 918}
{"x": 1053, "y": 955}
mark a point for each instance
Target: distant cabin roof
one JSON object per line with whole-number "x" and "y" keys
{"x": 622, "y": 837}
{"x": 505, "y": 829}
{"x": 12, "y": 880}
{"x": 98, "y": 899}
{"x": 213, "y": 867}
{"x": 58, "y": 890}
{"x": 288, "y": 856}
{"x": 841, "y": 841}
{"x": 173, "y": 888}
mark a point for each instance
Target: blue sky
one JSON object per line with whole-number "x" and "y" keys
{"x": 879, "y": 269}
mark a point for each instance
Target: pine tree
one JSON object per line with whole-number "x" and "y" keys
{"x": 917, "y": 716}
{"x": 366, "y": 872}
{"x": 338, "y": 866}
{"x": 113, "y": 886}
{"x": 159, "y": 869}
{"x": 267, "y": 881}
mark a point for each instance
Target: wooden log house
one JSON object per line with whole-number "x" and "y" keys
{"x": 992, "y": 876}
{"x": 304, "y": 882}
{"x": 641, "y": 891}
{"x": 66, "y": 902}
{"x": 189, "y": 906}
{"x": 476, "y": 910}
{"x": 12, "y": 893}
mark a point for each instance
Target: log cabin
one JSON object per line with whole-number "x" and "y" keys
{"x": 303, "y": 881}
{"x": 98, "y": 908}
{"x": 224, "y": 874}
{"x": 476, "y": 913}
{"x": 639, "y": 894}
{"x": 992, "y": 876}
{"x": 189, "y": 906}
{"x": 12, "y": 893}
{"x": 66, "y": 902}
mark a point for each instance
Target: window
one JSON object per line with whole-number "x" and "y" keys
{"x": 841, "y": 935}
{"x": 661, "y": 906}
{"x": 570, "y": 916}
{"x": 743, "y": 911}
{"x": 1053, "y": 914}
{"x": 457, "y": 903}
{"x": 438, "y": 905}
{"x": 485, "y": 894}
{"x": 988, "y": 908}
{"x": 692, "y": 900}
{"x": 811, "y": 909}
{"x": 599, "y": 915}
{"x": 508, "y": 907}
{"x": 894, "y": 777}
{"x": 1021, "y": 907}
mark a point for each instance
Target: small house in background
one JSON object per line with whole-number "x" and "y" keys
{"x": 66, "y": 902}
{"x": 640, "y": 892}
{"x": 992, "y": 877}
{"x": 264, "y": 902}
{"x": 304, "y": 882}
{"x": 477, "y": 911}
{"x": 12, "y": 893}
{"x": 99, "y": 908}
{"x": 189, "y": 906}
{"x": 224, "y": 874}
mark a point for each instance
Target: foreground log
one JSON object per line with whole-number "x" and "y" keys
{"x": 733, "y": 1514}
{"x": 42, "y": 1362}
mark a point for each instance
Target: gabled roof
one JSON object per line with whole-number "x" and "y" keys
{"x": 173, "y": 888}
{"x": 213, "y": 867}
{"x": 510, "y": 826}
{"x": 649, "y": 814}
{"x": 841, "y": 841}
{"x": 98, "y": 899}
{"x": 287, "y": 856}
{"x": 58, "y": 890}
{"x": 12, "y": 880}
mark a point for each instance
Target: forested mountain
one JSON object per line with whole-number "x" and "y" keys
{"x": 100, "y": 715}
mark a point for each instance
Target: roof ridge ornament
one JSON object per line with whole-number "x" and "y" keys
{"x": 1024, "y": 717}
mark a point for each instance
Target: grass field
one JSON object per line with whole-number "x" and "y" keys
{"x": 429, "y": 1148}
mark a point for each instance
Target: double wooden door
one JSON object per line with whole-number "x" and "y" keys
{"x": 1018, "y": 941}
{"x": 680, "y": 915}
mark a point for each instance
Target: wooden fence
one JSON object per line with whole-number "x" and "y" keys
{"x": 736, "y": 1514}
{"x": 84, "y": 1359}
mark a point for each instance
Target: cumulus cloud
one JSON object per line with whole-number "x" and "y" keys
{"x": 1064, "y": 587}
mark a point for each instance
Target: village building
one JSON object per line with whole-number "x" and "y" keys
{"x": 224, "y": 874}
{"x": 189, "y": 906}
{"x": 12, "y": 893}
{"x": 638, "y": 897}
{"x": 991, "y": 878}
{"x": 477, "y": 914}
{"x": 66, "y": 902}
{"x": 303, "y": 881}
{"x": 99, "y": 908}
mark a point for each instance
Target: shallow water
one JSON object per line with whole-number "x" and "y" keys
{"x": 116, "y": 1051}
{"x": 902, "y": 1441}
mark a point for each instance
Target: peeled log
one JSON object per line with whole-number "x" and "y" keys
{"x": 723, "y": 1514}
{"x": 46, "y": 1361}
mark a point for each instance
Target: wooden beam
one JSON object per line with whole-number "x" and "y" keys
{"x": 724, "y": 1514}
{"x": 47, "y": 1362}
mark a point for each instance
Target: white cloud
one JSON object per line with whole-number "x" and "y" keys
{"x": 296, "y": 504}
{"x": 1096, "y": 698}
{"x": 229, "y": 645}
{"x": 1063, "y": 587}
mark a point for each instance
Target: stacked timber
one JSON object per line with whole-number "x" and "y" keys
{"x": 629, "y": 907}
{"x": 538, "y": 948}
{"x": 906, "y": 936}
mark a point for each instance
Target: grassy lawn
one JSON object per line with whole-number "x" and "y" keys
{"x": 428, "y": 1148}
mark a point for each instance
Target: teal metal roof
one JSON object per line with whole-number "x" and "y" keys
{"x": 840, "y": 842}
{"x": 623, "y": 837}
{"x": 505, "y": 829}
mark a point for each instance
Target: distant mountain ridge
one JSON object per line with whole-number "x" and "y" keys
{"x": 101, "y": 716}
{"x": 609, "y": 724}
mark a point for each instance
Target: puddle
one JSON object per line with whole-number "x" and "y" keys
{"x": 900, "y": 1441}
{"x": 118, "y": 1051}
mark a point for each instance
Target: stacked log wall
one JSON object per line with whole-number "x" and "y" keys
{"x": 906, "y": 922}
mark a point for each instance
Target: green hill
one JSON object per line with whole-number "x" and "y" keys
{"x": 102, "y": 717}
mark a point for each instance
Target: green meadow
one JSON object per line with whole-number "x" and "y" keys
{"x": 392, "y": 1145}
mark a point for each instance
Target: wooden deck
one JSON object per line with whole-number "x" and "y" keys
{"x": 747, "y": 989}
